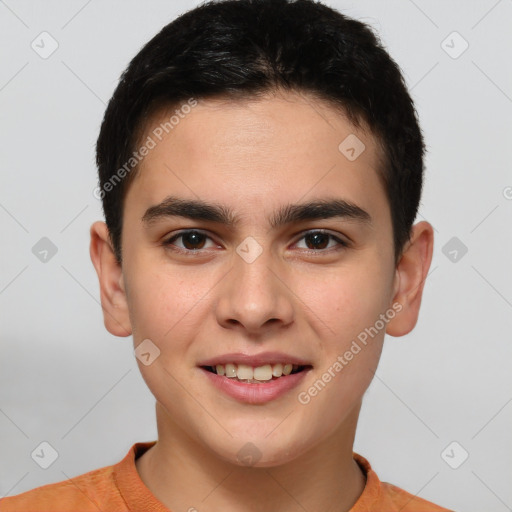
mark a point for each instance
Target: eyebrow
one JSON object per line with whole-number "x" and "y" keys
{"x": 288, "y": 214}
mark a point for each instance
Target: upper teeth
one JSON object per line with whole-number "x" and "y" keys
{"x": 246, "y": 372}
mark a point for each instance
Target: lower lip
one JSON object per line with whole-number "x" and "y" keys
{"x": 256, "y": 393}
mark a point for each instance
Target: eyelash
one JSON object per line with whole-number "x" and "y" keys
{"x": 197, "y": 252}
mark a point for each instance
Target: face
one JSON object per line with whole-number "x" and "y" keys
{"x": 250, "y": 277}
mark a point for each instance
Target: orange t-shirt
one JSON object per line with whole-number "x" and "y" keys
{"x": 118, "y": 488}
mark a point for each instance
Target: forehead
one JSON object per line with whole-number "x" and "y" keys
{"x": 257, "y": 151}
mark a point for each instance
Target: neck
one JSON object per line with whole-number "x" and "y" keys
{"x": 184, "y": 475}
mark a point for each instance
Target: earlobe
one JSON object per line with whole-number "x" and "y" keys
{"x": 113, "y": 296}
{"x": 412, "y": 271}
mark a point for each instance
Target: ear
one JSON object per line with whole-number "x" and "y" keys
{"x": 411, "y": 272}
{"x": 113, "y": 296}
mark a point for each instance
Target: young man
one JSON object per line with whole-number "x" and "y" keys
{"x": 260, "y": 168}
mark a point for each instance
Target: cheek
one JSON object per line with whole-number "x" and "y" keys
{"x": 163, "y": 303}
{"x": 350, "y": 349}
{"x": 344, "y": 302}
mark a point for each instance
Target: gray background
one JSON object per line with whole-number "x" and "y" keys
{"x": 65, "y": 380}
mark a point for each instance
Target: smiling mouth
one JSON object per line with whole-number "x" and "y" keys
{"x": 256, "y": 375}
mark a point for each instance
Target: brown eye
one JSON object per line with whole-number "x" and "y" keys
{"x": 191, "y": 240}
{"x": 317, "y": 241}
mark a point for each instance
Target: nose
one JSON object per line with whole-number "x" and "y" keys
{"x": 254, "y": 296}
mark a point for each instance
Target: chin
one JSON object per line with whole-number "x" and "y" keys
{"x": 259, "y": 452}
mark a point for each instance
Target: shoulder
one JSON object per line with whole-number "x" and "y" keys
{"x": 405, "y": 501}
{"x": 379, "y": 496}
{"x": 92, "y": 491}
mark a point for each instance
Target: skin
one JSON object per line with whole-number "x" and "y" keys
{"x": 253, "y": 157}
